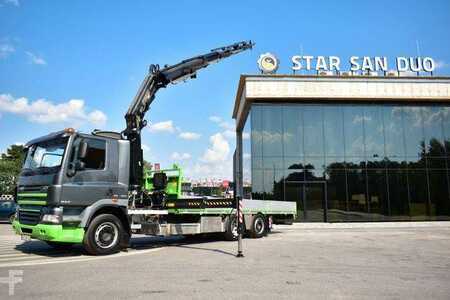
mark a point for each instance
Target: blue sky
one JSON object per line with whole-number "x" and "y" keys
{"x": 79, "y": 63}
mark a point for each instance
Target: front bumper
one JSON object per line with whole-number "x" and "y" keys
{"x": 54, "y": 233}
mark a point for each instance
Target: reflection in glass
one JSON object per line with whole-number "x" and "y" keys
{"x": 272, "y": 130}
{"x": 292, "y": 130}
{"x": 337, "y": 195}
{"x": 393, "y": 133}
{"x": 418, "y": 192}
{"x": 353, "y": 128}
{"x": 377, "y": 194}
{"x": 414, "y": 134}
{"x": 356, "y": 182}
{"x": 398, "y": 195}
{"x": 439, "y": 195}
{"x": 334, "y": 131}
{"x": 313, "y": 130}
{"x": 380, "y": 162}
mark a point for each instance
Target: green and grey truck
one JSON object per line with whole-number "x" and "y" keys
{"x": 92, "y": 189}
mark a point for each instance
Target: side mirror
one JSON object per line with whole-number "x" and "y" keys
{"x": 82, "y": 150}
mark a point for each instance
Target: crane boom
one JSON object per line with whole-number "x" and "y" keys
{"x": 160, "y": 78}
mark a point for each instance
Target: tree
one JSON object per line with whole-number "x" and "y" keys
{"x": 10, "y": 166}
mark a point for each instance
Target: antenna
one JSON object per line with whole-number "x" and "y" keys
{"x": 418, "y": 53}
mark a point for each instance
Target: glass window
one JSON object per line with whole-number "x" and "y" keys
{"x": 337, "y": 196}
{"x": 353, "y": 131}
{"x": 95, "y": 158}
{"x": 439, "y": 195}
{"x": 257, "y": 184}
{"x": 334, "y": 131}
{"x": 356, "y": 181}
{"x": 292, "y": 130}
{"x": 377, "y": 195}
{"x": 433, "y": 129}
{"x": 393, "y": 132}
{"x": 256, "y": 131}
{"x": 418, "y": 193}
{"x": 294, "y": 193}
{"x": 374, "y": 133}
{"x": 398, "y": 195}
{"x": 414, "y": 135}
{"x": 446, "y": 128}
{"x": 273, "y": 184}
{"x": 272, "y": 131}
{"x": 295, "y": 174}
{"x": 313, "y": 130}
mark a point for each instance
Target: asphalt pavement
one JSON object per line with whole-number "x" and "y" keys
{"x": 303, "y": 261}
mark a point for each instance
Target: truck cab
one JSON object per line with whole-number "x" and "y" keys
{"x": 67, "y": 179}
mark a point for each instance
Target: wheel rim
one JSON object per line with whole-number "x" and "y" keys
{"x": 259, "y": 225}
{"x": 106, "y": 235}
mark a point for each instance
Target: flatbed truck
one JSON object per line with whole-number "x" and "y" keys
{"x": 92, "y": 189}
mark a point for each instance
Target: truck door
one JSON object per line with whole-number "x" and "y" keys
{"x": 96, "y": 180}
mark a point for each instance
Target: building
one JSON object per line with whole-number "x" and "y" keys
{"x": 348, "y": 148}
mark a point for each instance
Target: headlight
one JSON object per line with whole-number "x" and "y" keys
{"x": 53, "y": 216}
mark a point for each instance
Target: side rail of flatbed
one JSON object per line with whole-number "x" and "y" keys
{"x": 196, "y": 215}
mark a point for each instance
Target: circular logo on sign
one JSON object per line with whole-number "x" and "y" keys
{"x": 268, "y": 63}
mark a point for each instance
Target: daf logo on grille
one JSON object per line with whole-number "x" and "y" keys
{"x": 268, "y": 63}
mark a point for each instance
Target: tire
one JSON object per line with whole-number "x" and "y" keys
{"x": 104, "y": 235}
{"x": 259, "y": 227}
{"x": 59, "y": 245}
{"x": 231, "y": 229}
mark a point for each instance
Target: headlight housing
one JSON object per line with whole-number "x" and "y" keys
{"x": 53, "y": 216}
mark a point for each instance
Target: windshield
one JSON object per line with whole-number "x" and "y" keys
{"x": 45, "y": 157}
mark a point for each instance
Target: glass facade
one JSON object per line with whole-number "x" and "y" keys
{"x": 351, "y": 162}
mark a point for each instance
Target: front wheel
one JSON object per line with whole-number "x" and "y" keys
{"x": 259, "y": 227}
{"x": 103, "y": 235}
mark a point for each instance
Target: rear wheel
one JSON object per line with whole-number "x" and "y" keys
{"x": 231, "y": 230}
{"x": 259, "y": 227}
{"x": 104, "y": 235}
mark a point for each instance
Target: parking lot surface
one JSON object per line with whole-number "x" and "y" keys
{"x": 359, "y": 261}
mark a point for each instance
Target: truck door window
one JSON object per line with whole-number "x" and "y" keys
{"x": 95, "y": 158}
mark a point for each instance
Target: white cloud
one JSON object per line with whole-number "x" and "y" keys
{"x": 215, "y": 119}
{"x": 218, "y": 150}
{"x": 12, "y": 2}
{"x": 145, "y": 148}
{"x": 189, "y": 135}
{"x": 230, "y": 134}
{"x": 180, "y": 156}
{"x": 44, "y": 111}
{"x": 165, "y": 126}
{"x": 36, "y": 59}
{"x": 5, "y": 50}
{"x": 224, "y": 124}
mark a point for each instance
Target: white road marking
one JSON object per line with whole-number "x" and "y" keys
{"x": 12, "y": 256}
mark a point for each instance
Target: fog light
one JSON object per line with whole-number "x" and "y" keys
{"x": 53, "y": 216}
{"x": 53, "y": 219}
